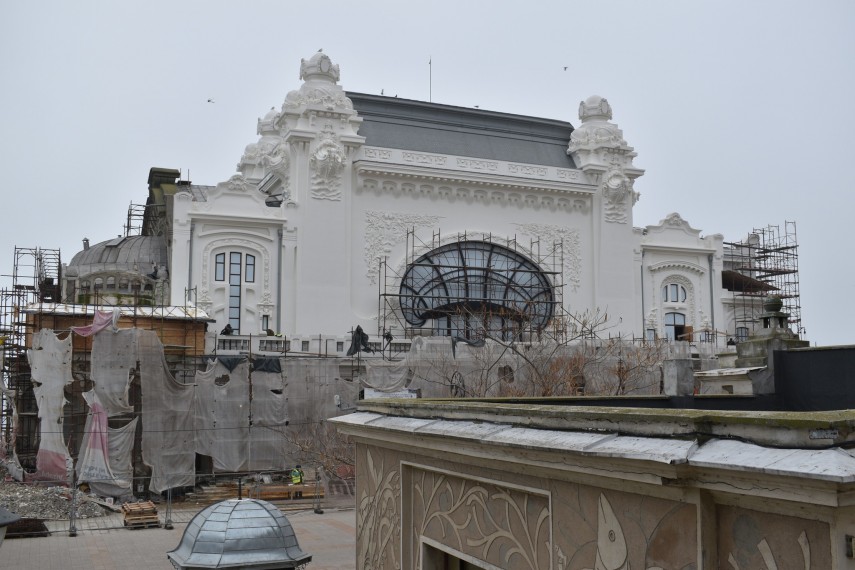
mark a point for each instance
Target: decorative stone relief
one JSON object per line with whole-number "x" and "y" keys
{"x": 617, "y": 191}
{"x": 420, "y": 158}
{"x": 753, "y": 539}
{"x": 552, "y": 202}
{"x": 274, "y": 158}
{"x": 475, "y": 164}
{"x": 377, "y": 153}
{"x": 320, "y": 87}
{"x": 327, "y": 163}
{"x": 236, "y": 183}
{"x": 503, "y": 526}
{"x": 571, "y": 245}
{"x": 265, "y": 305}
{"x": 601, "y": 152}
{"x": 378, "y": 519}
{"x": 568, "y": 174}
{"x": 527, "y": 170}
{"x": 385, "y": 230}
{"x": 204, "y": 300}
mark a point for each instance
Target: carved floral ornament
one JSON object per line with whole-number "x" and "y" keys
{"x": 385, "y": 230}
{"x": 571, "y": 245}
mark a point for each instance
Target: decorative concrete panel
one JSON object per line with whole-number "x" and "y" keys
{"x": 751, "y": 539}
{"x": 596, "y": 528}
{"x": 378, "y": 509}
{"x": 503, "y": 525}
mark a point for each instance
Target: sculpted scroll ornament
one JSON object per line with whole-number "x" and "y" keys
{"x": 327, "y": 163}
{"x": 384, "y": 230}
{"x": 571, "y": 245}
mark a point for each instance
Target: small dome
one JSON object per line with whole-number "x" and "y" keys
{"x": 132, "y": 254}
{"x": 239, "y": 533}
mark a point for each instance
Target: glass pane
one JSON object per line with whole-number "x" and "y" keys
{"x": 250, "y": 268}
{"x": 220, "y": 267}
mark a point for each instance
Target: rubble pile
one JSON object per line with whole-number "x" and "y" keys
{"x": 30, "y": 501}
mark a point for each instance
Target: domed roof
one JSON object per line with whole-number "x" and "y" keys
{"x": 239, "y": 533}
{"x": 133, "y": 254}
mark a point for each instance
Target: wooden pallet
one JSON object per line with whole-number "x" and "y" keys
{"x": 140, "y": 515}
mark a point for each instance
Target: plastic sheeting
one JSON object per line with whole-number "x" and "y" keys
{"x": 222, "y": 414}
{"x": 50, "y": 364}
{"x": 240, "y": 419}
{"x": 114, "y": 356}
{"x": 167, "y": 439}
{"x": 269, "y": 421}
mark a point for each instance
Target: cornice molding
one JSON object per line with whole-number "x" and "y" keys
{"x": 469, "y": 187}
{"x": 677, "y": 265}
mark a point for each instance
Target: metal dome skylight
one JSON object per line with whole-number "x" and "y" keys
{"x": 467, "y": 285}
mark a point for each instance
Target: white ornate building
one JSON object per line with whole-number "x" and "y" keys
{"x": 393, "y": 214}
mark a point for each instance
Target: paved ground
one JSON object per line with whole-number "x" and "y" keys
{"x": 104, "y": 543}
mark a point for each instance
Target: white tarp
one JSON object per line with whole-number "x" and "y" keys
{"x": 241, "y": 418}
{"x": 269, "y": 417}
{"x": 114, "y": 356}
{"x": 222, "y": 415}
{"x": 167, "y": 441}
{"x": 50, "y": 364}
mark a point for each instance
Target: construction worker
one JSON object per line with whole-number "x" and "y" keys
{"x": 297, "y": 479}
{"x": 297, "y": 476}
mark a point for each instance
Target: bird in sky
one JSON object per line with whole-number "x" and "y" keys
{"x": 565, "y": 68}
{"x": 211, "y": 100}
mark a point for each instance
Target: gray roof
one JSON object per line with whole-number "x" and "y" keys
{"x": 120, "y": 254}
{"x": 239, "y": 533}
{"x": 390, "y": 122}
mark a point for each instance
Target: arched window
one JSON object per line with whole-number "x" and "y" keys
{"x": 675, "y": 326}
{"x": 673, "y": 293}
{"x": 235, "y": 268}
{"x": 467, "y": 286}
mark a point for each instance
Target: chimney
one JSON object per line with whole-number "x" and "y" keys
{"x": 85, "y": 244}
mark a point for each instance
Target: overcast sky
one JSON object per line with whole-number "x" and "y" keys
{"x": 742, "y": 113}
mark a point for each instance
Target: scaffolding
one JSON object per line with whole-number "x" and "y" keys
{"x": 36, "y": 277}
{"x": 769, "y": 258}
{"x": 498, "y": 288}
{"x": 33, "y": 302}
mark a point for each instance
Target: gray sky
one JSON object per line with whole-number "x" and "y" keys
{"x": 742, "y": 113}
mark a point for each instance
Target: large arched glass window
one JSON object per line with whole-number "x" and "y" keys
{"x": 467, "y": 286}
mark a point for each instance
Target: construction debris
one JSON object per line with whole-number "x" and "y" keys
{"x": 31, "y": 501}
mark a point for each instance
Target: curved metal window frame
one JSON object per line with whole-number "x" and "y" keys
{"x": 476, "y": 284}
